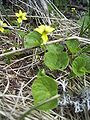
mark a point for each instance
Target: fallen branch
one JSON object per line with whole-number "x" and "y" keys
{"x": 48, "y": 43}
{"x": 52, "y": 18}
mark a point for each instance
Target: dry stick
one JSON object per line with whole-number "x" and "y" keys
{"x": 41, "y": 103}
{"x": 50, "y": 42}
{"x": 18, "y": 61}
{"x": 52, "y": 18}
{"x": 12, "y": 52}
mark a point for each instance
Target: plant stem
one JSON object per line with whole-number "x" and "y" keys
{"x": 34, "y": 107}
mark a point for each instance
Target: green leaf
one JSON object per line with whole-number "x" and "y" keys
{"x": 55, "y": 48}
{"x": 85, "y": 24}
{"x": 81, "y": 65}
{"x": 43, "y": 88}
{"x": 33, "y": 39}
{"x": 78, "y": 65}
{"x": 84, "y": 18}
{"x": 63, "y": 60}
{"x": 73, "y": 45}
{"x": 55, "y": 58}
{"x": 82, "y": 28}
{"x": 50, "y": 60}
{"x": 21, "y": 33}
{"x": 87, "y": 62}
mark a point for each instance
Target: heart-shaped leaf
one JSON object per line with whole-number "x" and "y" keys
{"x": 55, "y": 58}
{"x": 81, "y": 65}
{"x": 55, "y": 48}
{"x": 78, "y": 66}
{"x": 32, "y": 39}
{"x": 73, "y": 45}
{"x": 43, "y": 88}
{"x": 87, "y": 61}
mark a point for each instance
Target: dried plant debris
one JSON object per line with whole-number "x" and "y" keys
{"x": 80, "y": 102}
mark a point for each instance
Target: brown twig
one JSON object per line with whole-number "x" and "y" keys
{"x": 50, "y": 42}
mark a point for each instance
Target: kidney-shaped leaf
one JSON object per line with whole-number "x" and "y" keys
{"x": 87, "y": 62}
{"x": 73, "y": 45}
{"x": 81, "y": 65}
{"x": 55, "y": 48}
{"x": 63, "y": 60}
{"x": 43, "y": 88}
{"x": 78, "y": 66}
{"x": 32, "y": 39}
{"x": 55, "y": 58}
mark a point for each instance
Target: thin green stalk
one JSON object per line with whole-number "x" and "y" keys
{"x": 34, "y": 107}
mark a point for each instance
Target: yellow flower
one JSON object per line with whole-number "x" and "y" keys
{"x": 44, "y": 30}
{"x": 73, "y": 10}
{"x": 21, "y": 16}
{"x": 2, "y": 25}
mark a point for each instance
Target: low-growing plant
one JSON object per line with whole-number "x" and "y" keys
{"x": 21, "y": 16}
{"x": 57, "y": 57}
{"x": 2, "y": 25}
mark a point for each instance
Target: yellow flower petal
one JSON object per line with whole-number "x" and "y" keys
{"x": 21, "y": 16}
{"x": 20, "y": 13}
{"x": 2, "y": 29}
{"x": 17, "y": 14}
{"x": 19, "y": 20}
{"x": 24, "y": 14}
{"x": 4, "y": 25}
{"x": 40, "y": 29}
{"x": 45, "y": 38}
{"x": 1, "y": 22}
{"x": 48, "y": 29}
{"x": 24, "y": 18}
{"x": 73, "y": 10}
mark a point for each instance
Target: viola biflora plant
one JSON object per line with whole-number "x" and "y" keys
{"x": 2, "y": 25}
{"x": 57, "y": 57}
{"x": 44, "y": 30}
{"x": 21, "y": 16}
